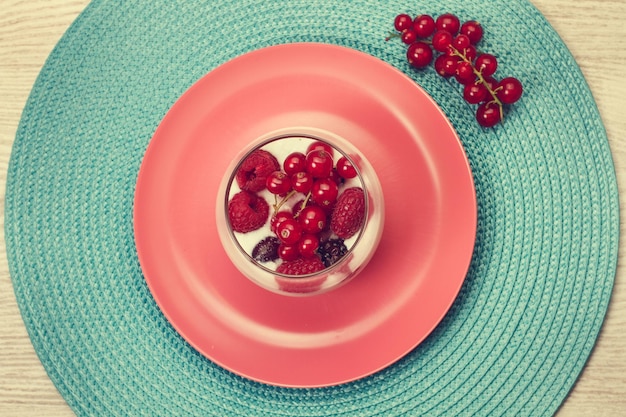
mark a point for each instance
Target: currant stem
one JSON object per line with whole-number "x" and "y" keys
{"x": 481, "y": 79}
{"x": 277, "y": 206}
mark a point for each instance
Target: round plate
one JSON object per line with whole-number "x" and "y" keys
{"x": 405, "y": 290}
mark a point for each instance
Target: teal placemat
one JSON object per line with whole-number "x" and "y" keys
{"x": 539, "y": 284}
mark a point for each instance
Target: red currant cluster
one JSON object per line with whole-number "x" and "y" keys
{"x": 458, "y": 57}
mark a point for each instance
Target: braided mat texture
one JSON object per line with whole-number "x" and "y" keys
{"x": 539, "y": 284}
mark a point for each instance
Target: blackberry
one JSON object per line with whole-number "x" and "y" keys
{"x": 266, "y": 250}
{"x": 331, "y": 251}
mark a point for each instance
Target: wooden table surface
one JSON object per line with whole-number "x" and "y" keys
{"x": 595, "y": 32}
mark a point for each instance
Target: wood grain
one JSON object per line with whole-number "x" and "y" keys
{"x": 595, "y": 32}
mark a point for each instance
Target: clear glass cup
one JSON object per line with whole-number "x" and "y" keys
{"x": 359, "y": 248}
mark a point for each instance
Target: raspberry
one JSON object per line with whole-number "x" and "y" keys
{"x": 254, "y": 170}
{"x": 332, "y": 251}
{"x": 247, "y": 212}
{"x": 266, "y": 250}
{"x": 301, "y": 266}
{"x": 349, "y": 212}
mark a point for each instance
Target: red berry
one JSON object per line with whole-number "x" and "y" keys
{"x": 408, "y": 36}
{"x": 324, "y": 192}
{"x": 509, "y": 90}
{"x": 253, "y": 171}
{"x": 319, "y": 163}
{"x": 278, "y": 218}
{"x": 475, "y": 93}
{"x": 419, "y": 54}
{"x": 490, "y": 82}
{"x": 402, "y": 22}
{"x": 442, "y": 40}
{"x": 349, "y": 213}
{"x": 465, "y": 73}
{"x": 448, "y": 22}
{"x": 301, "y": 266}
{"x": 278, "y": 183}
{"x": 424, "y": 26}
{"x": 307, "y": 245}
{"x": 318, "y": 145}
{"x": 289, "y": 231}
{"x": 460, "y": 42}
{"x": 473, "y": 30}
{"x": 486, "y": 64}
{"x": 302, "y": 182}
{"x": 288, "y": 252}
{"x": 445, "y": 65}
{"x": 345, "y": 168}
{"x": 247, "y": 212}
{"x": 488, "y": 114}
{"x": 312, "y": 219}
{"x": 469, "y": 53}
{"x": 294, "y": 162}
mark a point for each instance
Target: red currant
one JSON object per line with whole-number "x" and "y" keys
{"x": 424, "y": 26}
{"x": 419, "y": 54}
{"x": 461, "y": 42}
{"x": 486, "y": 64}
{"x": 313, "y": 219}
{"x": 288, "y": 252}
{"x": 408, "y": 36}
{"x": 289, "y": 231}
{"x": 442, "y": 40}
{"x": 469, "y": 52}
{"x": 488, "y": 114}
{"x": 307, "y": 246}
{"x": 402, "y": 21}
{"x": 475, "y": 93}
{"x": 445, "y": 65}
{"x": 448, "y": 22}
{"x": 509, "y": 90}
{"x": 319, "y": 163}
{"x": 473, "y": 30}
{"x": 294, "y": 162}
{"x": 302, "y": 182}
{"x": 279, "y": 218}
{"x": 345, "y": 168}
{"x": 490, "y": 82}
{"x": 318, "y": 145}
{"x": 278, "y": 183}
{"x": 324, "y": 192}
{"x": 465, "y": 73}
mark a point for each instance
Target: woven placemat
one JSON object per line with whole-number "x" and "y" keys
{"x": 539, "y": 283}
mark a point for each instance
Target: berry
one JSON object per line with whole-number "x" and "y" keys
{"x": 318, "y": 145}
{"x": 331, "y": 251}
{"x": 424, "y": 26}
{"x": 509, "y": 90}
{"x": 402, "y": 22}
{"x": 294, "y": 162}
{"x": 334, "y": 175}
{"x": 469, "y": 52}
{"x": 319, "y": 163}
{"x": 488, "y": 114}
{"x": 475, "y": 93}
{"x": 442, "y": 40}
{"x": 278, "y": 218}
{"x": 307, "y": 245}
{"x": 247, "y": 212}
{"x": 465, "y": 73}
{"x": 254, "y": 170}
{"x": 408, "y": 36}
{"x": 278, "y": 183}
{"x": 301, "y": 266}
{"x": 473, "y": 30}
{"x": 289, "y": 231}
{"x": 345, "y": 168}
{"x": 419, "y": 54}
{"x": 266, "y": 250}
{"x": 324, "y": 192}
{"x": 288, "y": 252}
{"x": 349, "y": 213}
{"x": 460, "y": 42}
{"x": 448, "y": 22}
{"x": 445, "y": 65}
{"x": 302, "y": 182}
{"x": 486, "y": 64}
{"x": 312, "y": 219}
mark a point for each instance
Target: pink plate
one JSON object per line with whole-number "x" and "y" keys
{"x": 405, "y": 290}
